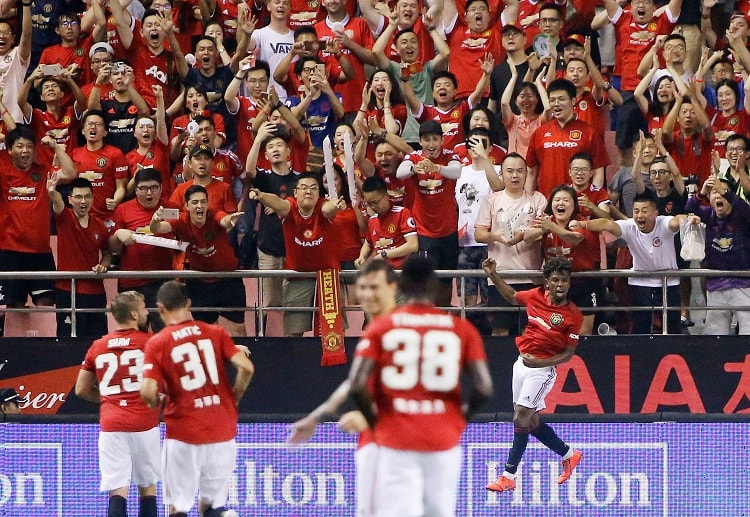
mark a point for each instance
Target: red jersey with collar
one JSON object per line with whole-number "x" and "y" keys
{"x": 157, "y": 157}
{"x": 79, "y": 249}
{"x": 496, "y": 156}
{"x": 209, "y": 248}
{"x": 63, "y": 130}
{"x": 220, "y": 196}
{"x": 584, "y": 256}
{"x": 435, "y": 210}
{"x": 633, "y": 42}
{"x": 131, "y": 215}
{"x": 117, "y": 361}
{"x": 724, "y": 127}
{"x": 102, "y": 168}
{"x": 65, "y": 56}
{"x": 245, "y": 115}
{"x": 551, "y": 147}
{"x": 419, "y": 353}
{"x": 400, "y": 191}
{"x": 551, "y": 328}
{"x": 467, "y": 50}
{"x": 305, "y": 13}
{"x": 450, "y": 121}
{"x": 24, "y": 207}
{"x": 596, "y": 195}
{"x": 309, "y": 240}
{"x": 389, "y": 230}
{"x": 358, "y": 31}
{"x": 200, "y": 408}
{"x": 587, "y": 110}
{"x": 692, "y": 154}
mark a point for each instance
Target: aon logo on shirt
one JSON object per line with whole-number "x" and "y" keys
{"x": 154, "y": 71}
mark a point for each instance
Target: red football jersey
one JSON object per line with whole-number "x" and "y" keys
{"x": 153, "y": 69}
{"x": 389, "y": 230}
{"x": 66, "y": 56}
{"x": 209, "y": 248}
{"x": 187, "y": 359}
{"x": 180, "y": 124}
{"x": 691, "y": 154}
{"x": 64, "y": 131}
{"x": 587, "y": 110}
{"x": 724, "y": 127}
{"x": 226, "y": 165}
{"x": 586, "y": 256}
{"x": 220, "y": 196}
{"x": 419, "y": 352}
{"x": 24, "y": 208}
{"x": 117, "y": 361}
{"x": 157, "y": 157}
{"x": 346, "y": 228}
{"x": 551, "y": 328}
{"x": 245, "y": 115}
{"x": 434, "y": 209}
{"x": 551, "y": 147}
{"x": 426, "y": 45}
{"x": 633, "y": 42}
{"x": 596, "y": 195}
{"x": 450, "y": 121}
{"x": 131, "y": 215}
{"x": 467, "y": 49}
{"x": 400, "y": 191}
{"x": 358, "y": 31}
{"x": 305, "y": 13}
{"x": 79, "y": 249}
{"x": 298, "y": 155}
{"x": 309, "y": 241}
{"x": 103, "y": 168}
{"x": 399, "y": 114}
{"x": 497, "y": 154}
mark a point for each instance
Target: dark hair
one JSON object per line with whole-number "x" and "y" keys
{"x": 275, "y": 135}
{"x": 659, "y": 159}
{"x": 466, "y": 122}
{"x": 556, "y": 7}
{"x": 582, "y": 156}
{"x": 172, "y": 295}
{"x": 307, "y": 29}
{"x": 655, "y": 107}
{"x": 150, "y": 12}
{"x": 403, "y": 31}
{"x": 310, "y": 175}
{"x": 67, "y": 15}
{"x": 646, "y": 135}
{"x": 562, "y": 85}
{"x": 211, "y": 22}
{"x": 373, "y": 266}
{"x": 739, "y": 136}
{"x": 645, "y": 197}
{"x": 80, "y": 183}
{"x": 513, "y": 155}
{"x": 539, "y": 108}
{"x": 203, "y": 118}
{"x": 469, "y": 2}
{"x": 396, "y": 97}
{"x": 93, "y": 113}
{"x": 418, "y": 278}
{"x": 478, "y": 131}
{"x": 123, "y": 304}
{"x": 261, "y": 65}
{"x": 443, "y": 74}
{"x": 722, "y": 61}
{"x": 147, "y": 174}
{"x": 19, "y": 132}
{"x": 374, "y": 184}
{"x": 556, "y": 265}
{"x": 732, "y": 86}
{"x": 199, "y": 89}
{"x": 573, "y": 59}
{"x": 344, "y": 190}
{"x": 675, "y": 35}
{"x": 570, "y": 190}
{"x": 50, "y": 79}
{"x": 192, "y": 189}
{"x": 300, "y": 64}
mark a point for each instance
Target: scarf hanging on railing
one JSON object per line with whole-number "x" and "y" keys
{"x": 330, "y": 321}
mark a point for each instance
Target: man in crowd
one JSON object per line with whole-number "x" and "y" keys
{"x": 201, "y": 410}
{"x": 10, "y": 402}
{"x": 111, "y": 374}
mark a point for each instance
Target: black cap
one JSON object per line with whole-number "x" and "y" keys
{"x": 198, "y": 149}
{"x": 10, "y": 395}
{"x": 430, "y": 127}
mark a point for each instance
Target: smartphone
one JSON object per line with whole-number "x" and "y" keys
{"x": 264, "y": 96}
{"x": 310, "y": 46}
{"x": 171, "y": 213}
{"x": 320, "y": 69}
{"x": 51, "y": 70}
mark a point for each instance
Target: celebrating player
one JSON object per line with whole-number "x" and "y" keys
{"x": 129, "y": 438}
{"x": 416, "y": 355}
{"x": 550, "y": 339}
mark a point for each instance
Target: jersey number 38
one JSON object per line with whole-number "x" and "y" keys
{"x": 432, "y": 359}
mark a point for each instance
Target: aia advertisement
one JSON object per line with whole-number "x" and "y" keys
{"x": 608, "y": 375}
{"x": 628, "y": 469}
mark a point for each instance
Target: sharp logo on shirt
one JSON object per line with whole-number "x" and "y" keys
{"x": 553, "y": 145}
{"x": 556, "y": 319}
{"x": 101, "y": 162}
{"x": 308, "y": 244}
{"x": 576, "y": 135}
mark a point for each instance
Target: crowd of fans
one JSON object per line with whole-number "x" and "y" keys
{"x": 457, "y": 129}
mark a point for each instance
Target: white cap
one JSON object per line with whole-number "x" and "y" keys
{"x": 100, "y": 47}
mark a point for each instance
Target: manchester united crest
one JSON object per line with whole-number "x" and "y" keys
{"x": 576, "y": 135}
{"x": 101, "y": 162}
{"x": 556, "y": 319}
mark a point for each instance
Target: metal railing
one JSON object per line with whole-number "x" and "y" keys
{"x": 460, "y": 275}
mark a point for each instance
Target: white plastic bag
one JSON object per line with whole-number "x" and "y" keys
{"x": 693, "y": 238}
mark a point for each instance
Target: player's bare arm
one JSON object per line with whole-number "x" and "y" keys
{"x": 505, "y": 290}
{"x": 86, "y": 387}
{"x": 304, "y": 428}
{"x": 150, "y": 392}
{"x": 361, "y": 370}
{"x": 245, "y": 371}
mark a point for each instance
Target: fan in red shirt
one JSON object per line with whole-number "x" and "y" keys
{"x": 688, "y": 136}
{"x": 382, "y": 105}
{"x": 208, "y": 250}
{"x": 133, "y": 218}
{"x": 25, "y": 215}
{"x": 412, "y": 359}
{"x": 245, "y": 109}
{"x": 470, "y": 41}
{"x": 102, "y": 164}
{"x": 553, "y": 143}
{"x": 152, "y": 148}
{"x": 82, "y": 245}
{"x": 433, "y": 171}
{"x": 220, "y": 195}
{"x": 111, "y": 375}
{"x": 407, "y": 17}
{"x": 309, "y": 241}
{"x": 480, "y": 117}
{"x": 391, "y": 231}
{"x": 188, "y": 361}
{"x": 550, "y": 338}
